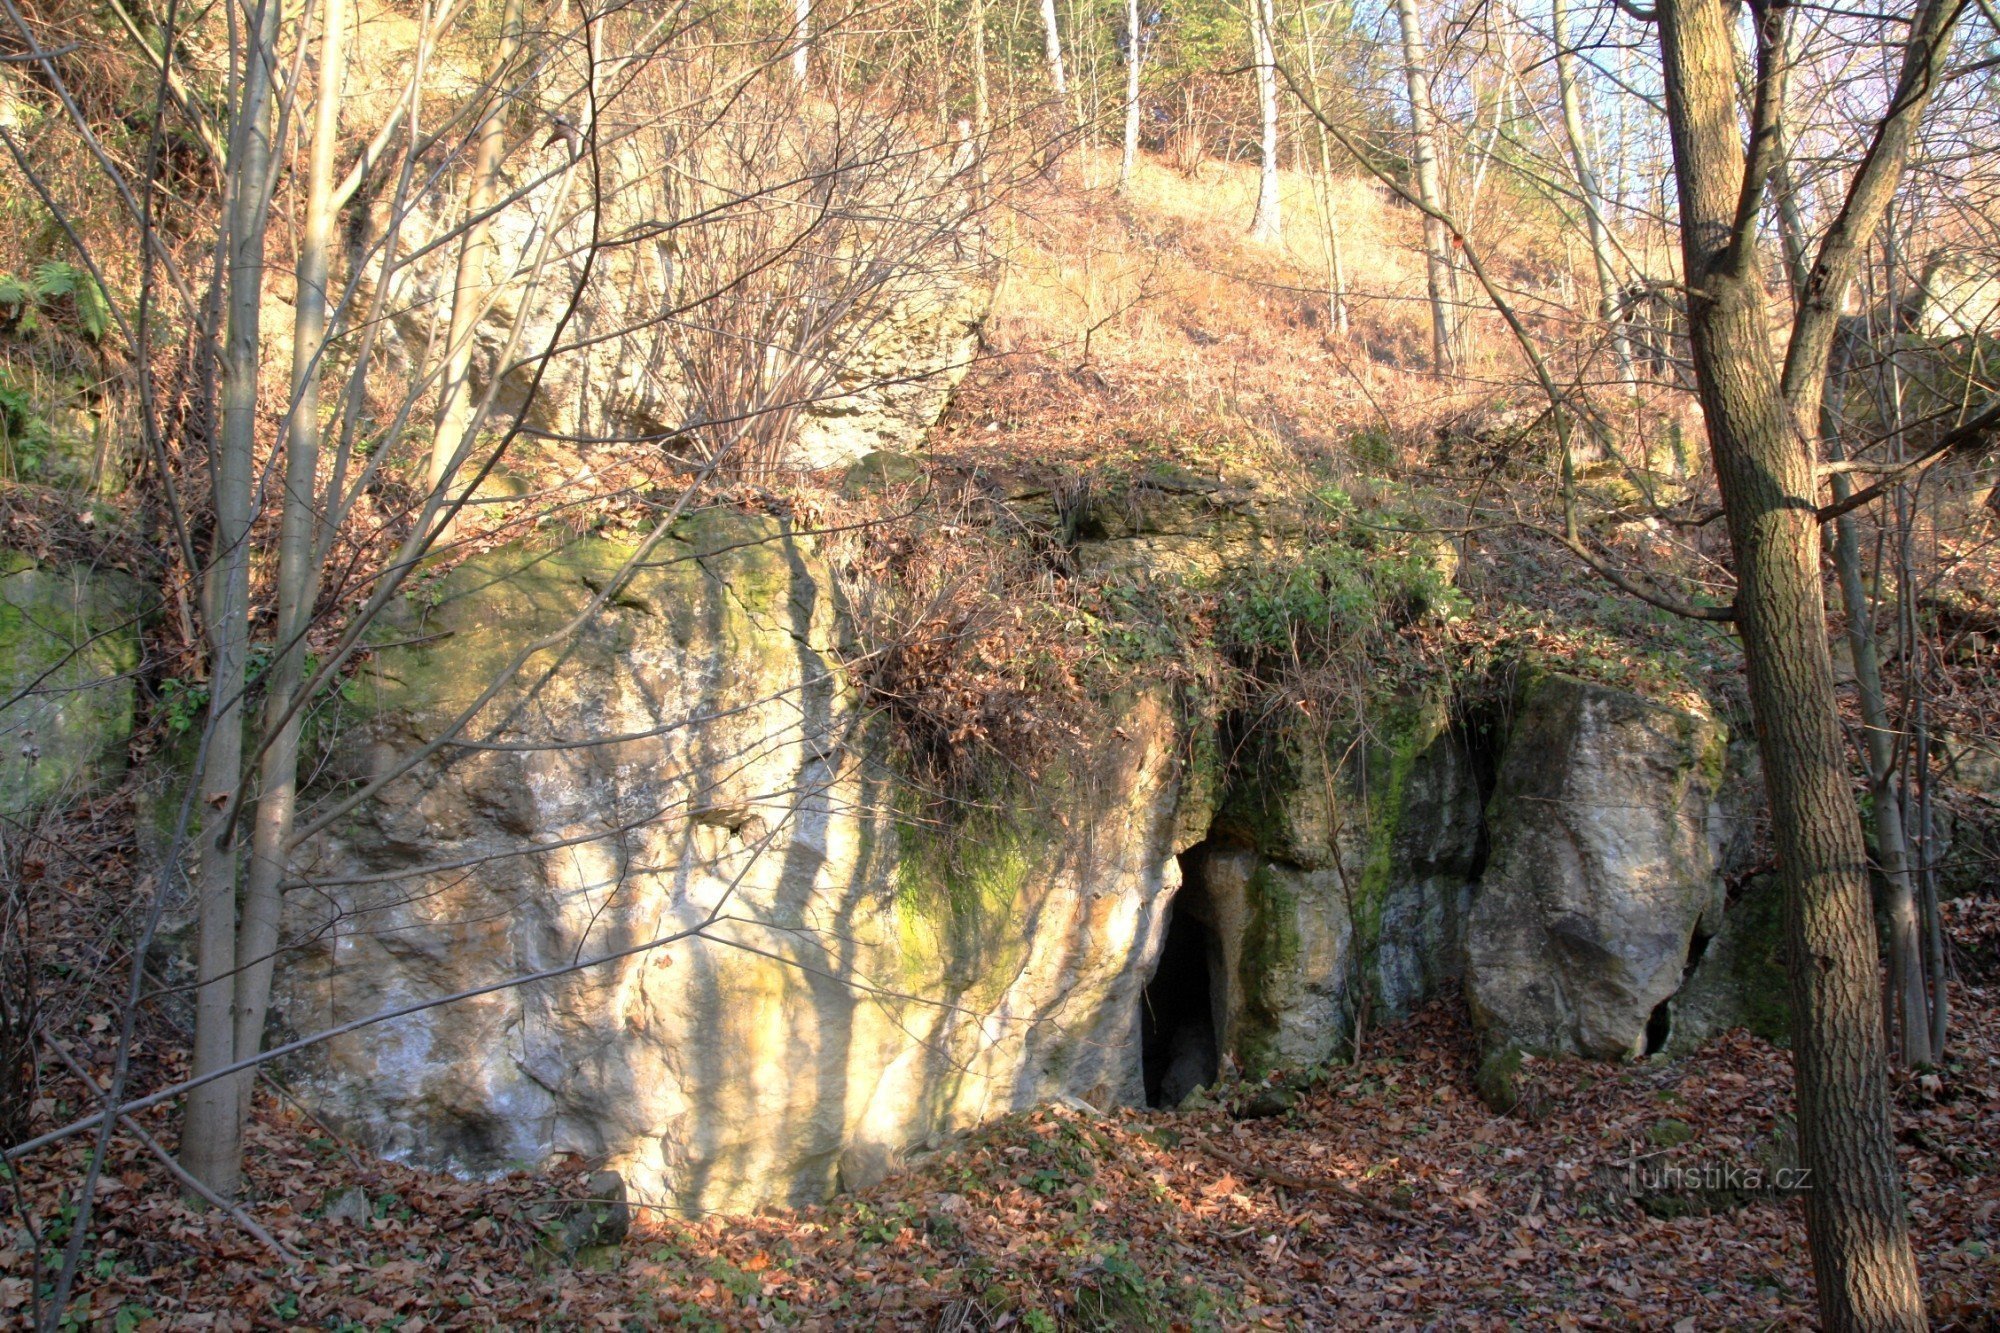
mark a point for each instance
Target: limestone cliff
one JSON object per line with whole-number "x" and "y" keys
{"x": 691, "y": 761}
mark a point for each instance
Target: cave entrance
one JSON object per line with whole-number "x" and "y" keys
{"x": 1179, "y": 1051}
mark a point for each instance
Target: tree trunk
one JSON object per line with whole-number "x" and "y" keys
{"x": 1130, "y": 159}
{"x": 211, "y": 1135}
{"x": 801, "y": 39}
{"x": 1052, "y": 47}
{"x": 1438, "y": 267}
{"x": 1589, "y": 193}
{"x": 1855, "y": 1220}
{"x": 298, "y": 581}
{"x": 1265, "y": 225}
{"x": 982, "y": 96}
{"x": 469, "y": 294}
{"x": 1909, "y": 996}
{"x": 1336, "y": 274}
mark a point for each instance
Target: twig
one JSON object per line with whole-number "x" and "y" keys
{"x": 1313, "y": 1184}
{"x": 153, "y": 1145}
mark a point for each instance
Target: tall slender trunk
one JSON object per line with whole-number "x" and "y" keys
{"x": 1265, "y": 225}
{"x": 1909, "y": 996}
{"x": 982, "y": 96}
{"x": 1856, "y": 1226}
{"x": 1589, "y": 192}
{"x": 298, "y": 572}
{"x": 1052, "y": 48}
{"x": 801, "y": 39}
{"x": 1439, "y": 271}
{"x": 1336, "y": 274}
{"x": 211, "y": 1141}
{"x": 1909, "y": 1008}
{"x": 469, "y": 295}
{"x": 982, "y": 116}
{"x": 1132, "y": 57}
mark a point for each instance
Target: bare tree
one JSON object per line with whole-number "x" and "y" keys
{"x": 1440, "y": 272}
{"x": 1129, "y": 161}
{"x": 1265, "y": 225}
{"x": 298, "y": 579}
{"x": 1762, "y": 423}
{"x": 1053, "y": 51}
{"x": 1589, "y": 195}
{"x": 210, "y": 1139}
{"x": 1336, "y": 268}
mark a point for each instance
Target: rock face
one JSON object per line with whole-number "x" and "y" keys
{"x": 1604, "y": 841}
{"x": 1958, "y": 297}
{"x": 695, "y": 940}
{"x": 895, "y": 382}
{"x": 624, "y": 375}
{"x": 69, "y": 645}
{"x": 1329, "y": 887}
{"x": 1740, "y": 980}
{"x": 1179, "y": 523}
{"x": 688, "y": 762}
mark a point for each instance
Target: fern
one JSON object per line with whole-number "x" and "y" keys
{"x": 25, "y": 298}
{"x": 55, "y": 278}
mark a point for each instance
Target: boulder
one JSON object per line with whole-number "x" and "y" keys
{"x": 69, "y": 652}
{"x": 1604, "y": 836}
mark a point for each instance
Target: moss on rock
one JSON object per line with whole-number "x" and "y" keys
{"x": 1740, "y": 980}
{"x": 69, "y": 653}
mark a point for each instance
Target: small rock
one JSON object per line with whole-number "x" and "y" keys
{"x": 576, "y": 1230}
{"x": 350, "y": 1207}
{"x": 880, "y": 471}
{"x": 605, "y": 1216}
{"x": 1505, "y": 1086}
{"x": 1268, "y": 1102}
{"x": 1669, "y": 1133}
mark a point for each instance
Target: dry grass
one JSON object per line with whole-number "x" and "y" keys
{"x": 1147, "y": 316}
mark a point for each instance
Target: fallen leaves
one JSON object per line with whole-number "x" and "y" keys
{"x": 1383, "y": 1198}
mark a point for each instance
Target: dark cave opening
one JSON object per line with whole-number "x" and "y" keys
{"x": 1179, "y": 1052}
{"x": 1660, "y": 1026}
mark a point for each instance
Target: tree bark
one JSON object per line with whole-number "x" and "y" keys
{"x": 1052, "y": 49}
{"x": 298, "y": 573}
{"x": 801, "y": 39}
{"x": 211, "y": 1138}
{"x": 1588, "y": 190}
{"x": 1438, "y": 267}
{"x": 1856, "y": 1225}
{"x": 1130, "y": 159}
{"x": 1265, "y": 224}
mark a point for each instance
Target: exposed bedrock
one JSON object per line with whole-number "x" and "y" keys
{"x": 760, "y": 978}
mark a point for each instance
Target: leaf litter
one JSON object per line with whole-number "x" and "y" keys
{"x": 1381, "y": 1194}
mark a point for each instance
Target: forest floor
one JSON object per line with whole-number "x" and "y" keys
{"x": 1380, "y": 1193}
